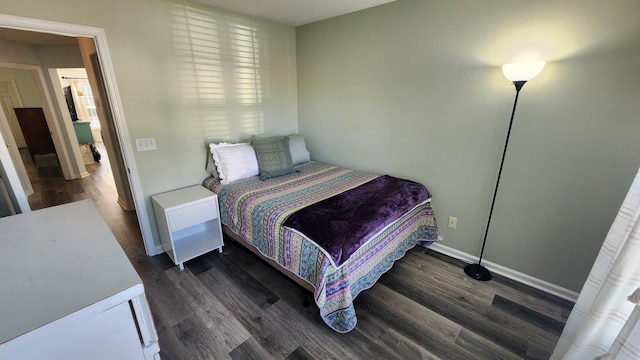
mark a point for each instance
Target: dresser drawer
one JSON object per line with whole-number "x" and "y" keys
{"x": 193, "y": 214}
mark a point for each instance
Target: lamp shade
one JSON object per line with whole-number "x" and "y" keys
{"x": 522, "y": 71}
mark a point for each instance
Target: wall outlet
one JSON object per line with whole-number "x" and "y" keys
{"x": 453, "y": 222}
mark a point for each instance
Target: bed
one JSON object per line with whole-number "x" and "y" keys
{"x": 269, "y": 215}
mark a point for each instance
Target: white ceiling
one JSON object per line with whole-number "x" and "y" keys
{"x": 293, "y": 12}
{"x": 287, "y": 12}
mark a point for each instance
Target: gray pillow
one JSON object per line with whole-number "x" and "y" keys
{"x": 211, "y": 166}
{"x": 274, "y": 156}
{"x": 298, "y": 148}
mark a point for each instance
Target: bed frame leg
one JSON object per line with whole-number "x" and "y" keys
{"x": 305, "y": 299}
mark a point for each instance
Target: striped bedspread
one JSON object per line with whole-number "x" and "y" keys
{"x": 256, "y": 210}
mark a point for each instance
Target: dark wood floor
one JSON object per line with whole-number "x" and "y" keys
{"x": 234, "y": 306}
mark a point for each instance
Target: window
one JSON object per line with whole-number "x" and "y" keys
{"x": 219, "y": 71}
{"x": 89, "y": 104}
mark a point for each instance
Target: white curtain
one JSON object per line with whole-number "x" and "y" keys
{"x": 81, "y": 109}
{"x": 627, "y": 344}
{"x": 602, "y": 313}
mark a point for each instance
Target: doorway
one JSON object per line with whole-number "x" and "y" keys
{"x": 98, "y": 38}
{"x": 22, "y": 91}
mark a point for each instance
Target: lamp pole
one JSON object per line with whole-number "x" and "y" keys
{"x": 477, "y": 271}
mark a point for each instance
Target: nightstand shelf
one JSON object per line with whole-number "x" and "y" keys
{"x": 188, "y": 223}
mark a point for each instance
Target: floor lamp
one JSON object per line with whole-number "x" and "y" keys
{"x": 518, "y": 74}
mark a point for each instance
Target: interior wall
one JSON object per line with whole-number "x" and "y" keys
{"x": 414, "y": 89}
{"x": 171, "y": 89}
{"x": 26, "y": 85}
{"x": 14, "y": 52}
{"x": 59, "y": 56}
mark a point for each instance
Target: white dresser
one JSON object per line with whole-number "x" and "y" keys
{"x": 68, "y": 291}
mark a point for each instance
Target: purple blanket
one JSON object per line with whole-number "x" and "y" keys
{"x": 342, "y": 223}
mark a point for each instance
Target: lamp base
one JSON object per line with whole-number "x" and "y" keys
{"x": 478, "y": 272}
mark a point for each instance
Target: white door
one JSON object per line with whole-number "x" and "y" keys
{"x": 10, "y": 99}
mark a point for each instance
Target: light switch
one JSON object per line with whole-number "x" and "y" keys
{"x": 146, "y": 144}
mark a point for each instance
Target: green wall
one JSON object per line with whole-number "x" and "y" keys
{"x": 415, "y": 89}
{"x": 26, "y": 85}
{"x": 412, "y": 88}
{"x": 184, "y": 76}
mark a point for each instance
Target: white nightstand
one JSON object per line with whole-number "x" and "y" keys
{"x": 188, "y": 222}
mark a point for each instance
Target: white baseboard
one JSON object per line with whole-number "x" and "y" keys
{"x": 123, "y": 204}
{"x": 508, "y": 273}
{"x": 157, "y": 250}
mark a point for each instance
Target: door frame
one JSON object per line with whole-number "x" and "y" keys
{"x": 14, "y": 152}
{"x": 19, "y": 103}
{"x": 12, "y": 175}
{"x": 99, "y": 37}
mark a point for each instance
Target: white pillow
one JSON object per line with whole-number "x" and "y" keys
{"x": 234, "y": 161}
{"x": 298, "y": 149}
